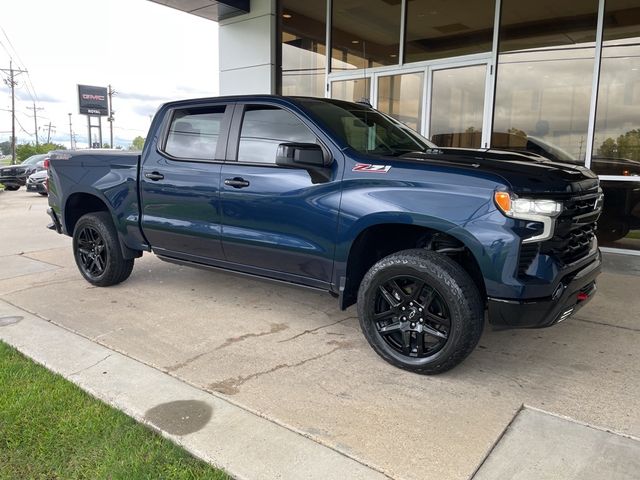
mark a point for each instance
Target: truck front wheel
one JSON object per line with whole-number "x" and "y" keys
{"x": 420, "y": 311}
{"x": 97, "y": 250}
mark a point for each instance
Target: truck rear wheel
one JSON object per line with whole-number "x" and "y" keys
{"x": 420, "y": 311}
{"x": 96, "y": 249}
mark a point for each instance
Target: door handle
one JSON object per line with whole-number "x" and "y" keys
{"x": 155, "y": 176}
{"x": 236, "y": 182}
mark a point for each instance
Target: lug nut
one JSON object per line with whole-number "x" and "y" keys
{"x": 413, "y": 324}
{"x": 420, "y": 309}
{"x": 404, "y": 319}
{"x": 411, "y": 304}
{"x": 421, "y": 320}
{"x": 404, "y": 308}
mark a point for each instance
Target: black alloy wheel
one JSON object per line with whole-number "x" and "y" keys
{"x": 411, "y": 316}
{"x": 420, "y": 311}
{"x": 92, "y": 252}
{"x": 97, "y": 250}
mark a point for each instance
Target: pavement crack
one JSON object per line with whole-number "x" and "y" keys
{"x": 312, "y": 330}
{"x": 275, "y": 328}
{"x": 90, "y": 366}
{"x": 604, "y": 324}
{"x": 230, "y": 386}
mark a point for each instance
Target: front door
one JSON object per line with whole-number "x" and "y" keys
{"x": 277, "y": 221}
{"x": 180, "y": 184}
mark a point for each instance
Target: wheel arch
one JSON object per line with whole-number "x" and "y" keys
{"x": 378, "y": 240}
{"x": 81, "y": 203}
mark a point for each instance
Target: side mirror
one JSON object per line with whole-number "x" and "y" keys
{"x": 302, "y": 155}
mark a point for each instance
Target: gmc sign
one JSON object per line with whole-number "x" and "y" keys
{"x": 93, "y": 100}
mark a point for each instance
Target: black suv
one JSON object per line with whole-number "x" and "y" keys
{"x": 15, "y": 176}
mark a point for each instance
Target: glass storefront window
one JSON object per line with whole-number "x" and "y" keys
{"x": 437, "y": 29}
{"x": 457, "y": 106}
{"x": 401, "y": 96}
{"x": 365, "y": 33}
{"x": 616, "y": 147}
{"x": 544, "y": 77}
{"x": 351, "y": 90}
{"x": 303, "y": 55}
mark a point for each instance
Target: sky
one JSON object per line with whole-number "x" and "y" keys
{"x": 148, "y": 53}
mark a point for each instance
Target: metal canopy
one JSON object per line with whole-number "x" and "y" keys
{"x": 215, "y": 10}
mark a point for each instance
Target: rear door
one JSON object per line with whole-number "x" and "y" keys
{"x": 278, "y": 221}
{"x": 180, "y": 183}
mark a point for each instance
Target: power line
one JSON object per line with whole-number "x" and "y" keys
{"x": 21, "y": 65}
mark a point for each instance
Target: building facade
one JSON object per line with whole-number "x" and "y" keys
{"x": 560, "y": 78}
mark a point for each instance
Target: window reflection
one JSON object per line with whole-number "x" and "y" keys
{"x": 351, "y": 90}
{"x": 619, "y": 224}
{"x": 401, "y": 97}
{"x": 457, "y": 105}
{"x": 303, "y": 47}
{"x": 437, "y": 29}
{"x": 616, "y": 148}
{"x": 365, "y": 33}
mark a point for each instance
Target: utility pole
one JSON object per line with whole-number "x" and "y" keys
{"x": 110, "y": 118}
{"x": 35, "y": 120}
{"x": 49, "y": 128}
{"x": 11, "y": 83}
{"x": 71, "y": 132}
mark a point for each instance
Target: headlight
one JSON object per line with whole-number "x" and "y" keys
{"x": 533, "y": 209}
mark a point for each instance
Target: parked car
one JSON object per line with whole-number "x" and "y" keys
{"x": 37, "y": 182}
{"x": 15, "y": 176}
{"x": 339, "y": 197}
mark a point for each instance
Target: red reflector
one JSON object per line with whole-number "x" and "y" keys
{"x": 583, "y": 296}
{"x": 46, "y": 163}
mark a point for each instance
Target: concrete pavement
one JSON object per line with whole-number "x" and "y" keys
{"x": 290, "y": 356}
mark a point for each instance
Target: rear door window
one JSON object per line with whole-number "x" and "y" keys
{"x": 194, "y": 133}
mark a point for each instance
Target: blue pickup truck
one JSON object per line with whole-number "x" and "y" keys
{"x": 339, "y": 197}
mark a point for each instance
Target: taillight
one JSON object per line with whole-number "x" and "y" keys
{"x": 46, "y": 163}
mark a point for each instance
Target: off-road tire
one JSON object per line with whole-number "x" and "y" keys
{"x": 454, "y": 287}
{"x": 116, "y": 269}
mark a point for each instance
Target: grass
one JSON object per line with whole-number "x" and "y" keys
{"x": 50, "y": 429}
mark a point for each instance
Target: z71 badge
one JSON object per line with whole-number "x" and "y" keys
{"x": 367, "y": 167}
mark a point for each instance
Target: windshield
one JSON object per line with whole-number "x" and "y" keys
{"x": 365, "y": 129}
{"x": 33, "y": 159}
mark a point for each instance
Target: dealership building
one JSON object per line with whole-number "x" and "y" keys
{"x": 560, "y": 78}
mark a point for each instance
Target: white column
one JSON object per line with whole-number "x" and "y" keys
{"x": 247, "y": 48}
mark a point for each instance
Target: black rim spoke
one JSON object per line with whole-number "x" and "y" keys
{"x": 435, "y": 333}
{"x": 391, "y": 300}
{"x": 91, "y": 251}
{"x": 390, "y": 329}
{"x": 411, "y": 316}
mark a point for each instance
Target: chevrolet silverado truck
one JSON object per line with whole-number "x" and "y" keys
{"x": 339, "y": 197}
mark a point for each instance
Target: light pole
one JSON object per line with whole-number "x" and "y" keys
{"x": 70, "y": 132}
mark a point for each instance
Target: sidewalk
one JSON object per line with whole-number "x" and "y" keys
{"x": 243, "y": 444}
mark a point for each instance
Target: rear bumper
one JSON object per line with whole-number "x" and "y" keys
{"x": 572, "y": 293}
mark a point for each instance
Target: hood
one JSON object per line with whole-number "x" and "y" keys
{"x": 524, "y": 173}
{"x": 40, "y": 174}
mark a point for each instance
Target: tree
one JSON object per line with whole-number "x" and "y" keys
{"x": 25, "y": 150}
{"x": 5, "y": 148}
{"x": 137, "y": 143}
{"x": 625, "y": 146}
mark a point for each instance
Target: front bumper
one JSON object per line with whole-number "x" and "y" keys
{"x": 13, "y": 181}
{"x": 36, "y": 187}
{"x": 573, "y": 292}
